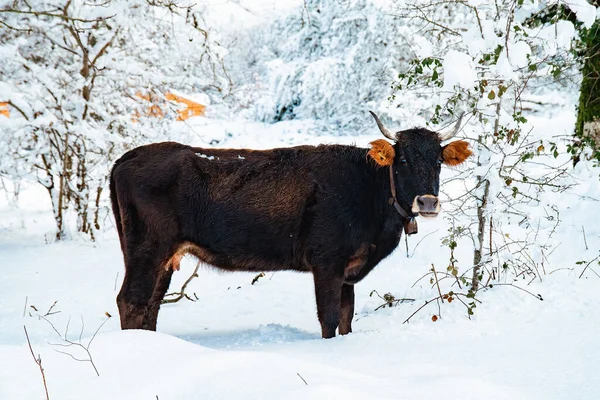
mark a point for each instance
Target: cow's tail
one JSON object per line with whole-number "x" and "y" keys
{"x": 120, "y": 202}
{"x": 114, "y": 197}
{"x": 115, "y": 205}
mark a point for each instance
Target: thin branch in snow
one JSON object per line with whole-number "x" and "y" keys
{"x": 38, "y": 361}
{"x": 419, "y": 242}
{"x": 181, "y": 294}
{"x": 390, "y": 299}
{"x": 407, "y": 320}
{"x": 537, "y": 296}
{"x": 68, "y": 343}
{"x": 588, "y": 266}
{"x": 306, "y": 383}
{"x": 437, "y": 283}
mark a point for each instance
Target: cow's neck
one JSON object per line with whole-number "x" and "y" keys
{"x": 410, "y": 223}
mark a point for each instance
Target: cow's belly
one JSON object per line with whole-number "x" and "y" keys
{"x": 236, "y": 259}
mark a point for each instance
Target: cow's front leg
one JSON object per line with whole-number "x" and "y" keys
{"x": 347, "y": 309}
{"x": 328, "y": 291}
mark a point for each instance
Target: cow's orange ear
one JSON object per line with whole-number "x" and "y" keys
{"x": 382, "y": 152}
{"x": 456, "y": 152}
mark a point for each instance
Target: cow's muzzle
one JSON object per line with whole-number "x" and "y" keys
{"x": 426, "y": 205}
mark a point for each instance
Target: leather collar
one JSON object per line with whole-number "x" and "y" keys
{"x": 410, "y": 223}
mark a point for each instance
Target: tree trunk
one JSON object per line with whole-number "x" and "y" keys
{"x": 481, "y": 222}
{"x": 588, "y": 111}
{"x": 482, "y": 213}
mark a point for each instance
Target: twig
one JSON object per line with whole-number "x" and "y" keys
{"x": 257, "y": 277}
{"x": 466, "y": 305}
{"x": 28, "y": 30}
{"x": 584, "y": 238}
{"x": 25, "y": 307}
{"x": 69, "y": 343}
{"x": 490, "y": 276}
{"x": 306, "y": 383}
{"x": 181, "y": 294}
{"x": 389, "y": 299}
{"x": 491, "y": 231}
{"x": 586, "y": 267}
{"x": 394, "y": 303}
{"x": 13, "y": 105}
{"x": 420, "y": 308}
{"x": 437, "y": 283}
{"x": 419, "y": 242}
{"x": 50, "y": 312}
{"x": 38, "y": 361}
{"x": 418, "y": 280}
{"x": 537, "y": 296}
{"x": 53, "y": 15}
{"x": 561, "y": 269}
{"x": 595, "y": 273}
{"x": 305, "y": 8}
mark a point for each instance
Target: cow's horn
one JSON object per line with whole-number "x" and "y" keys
{"x": 386, "y": 132}
{"x": 451, "y": 133}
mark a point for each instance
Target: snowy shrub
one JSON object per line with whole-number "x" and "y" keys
{"x": 483, "y": 57}
{"x": 328, "y": 62}
{"x": 80, "y": 79}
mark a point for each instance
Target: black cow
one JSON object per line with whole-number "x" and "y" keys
{"x": 332, "y": 210}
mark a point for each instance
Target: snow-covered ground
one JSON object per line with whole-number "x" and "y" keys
{"x": 248, "y": 341}
{"x": 240, "y": 340}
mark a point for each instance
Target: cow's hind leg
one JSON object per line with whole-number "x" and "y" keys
{"x": 347, "y": 309}
{"x": 145, "y": 280}
{"x": 160, "y": 288}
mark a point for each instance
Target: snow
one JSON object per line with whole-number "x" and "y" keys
{"x": 585, "y": 12}
{"x": 476, "y": 3}
{"x": 205, "y": 156}
{"x": 504, "y": 68}
{"x": 557, "y": 37}
{"x": 225, "y": 352}
{"x": 519, "y": 52}
{"x": 458, "y": 70}
{"x": 262, "y": 340}
{"x": 421, "y": 360}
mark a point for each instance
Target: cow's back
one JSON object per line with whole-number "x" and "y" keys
{"x": 252, "y": 210}
{"x": 252, "y": 207}
{"x": 245, "y": 208}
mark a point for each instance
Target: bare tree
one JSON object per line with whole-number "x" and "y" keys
{"x": 79, "y": 77}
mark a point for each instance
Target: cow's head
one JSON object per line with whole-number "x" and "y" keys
{"x": 417, "y": 156}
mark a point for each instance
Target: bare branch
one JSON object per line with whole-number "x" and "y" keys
{"x": 54, "y": 15}
{"x": 68, "y": 343}
{"x": 181, "y": 294}
{"x": 38, "y": 361}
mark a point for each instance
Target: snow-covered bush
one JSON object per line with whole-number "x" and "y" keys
{"x": 77, "y": 76}
{"x": 328, "y": 62}
{"x": 484, "y": 57}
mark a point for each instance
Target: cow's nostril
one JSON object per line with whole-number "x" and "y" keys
{"x": 420, "y": 202}
{"x": 435, "y": 203}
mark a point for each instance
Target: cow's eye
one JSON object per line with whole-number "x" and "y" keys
{"x": 403, "y": 161}
{"x": 439, "y": 162}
